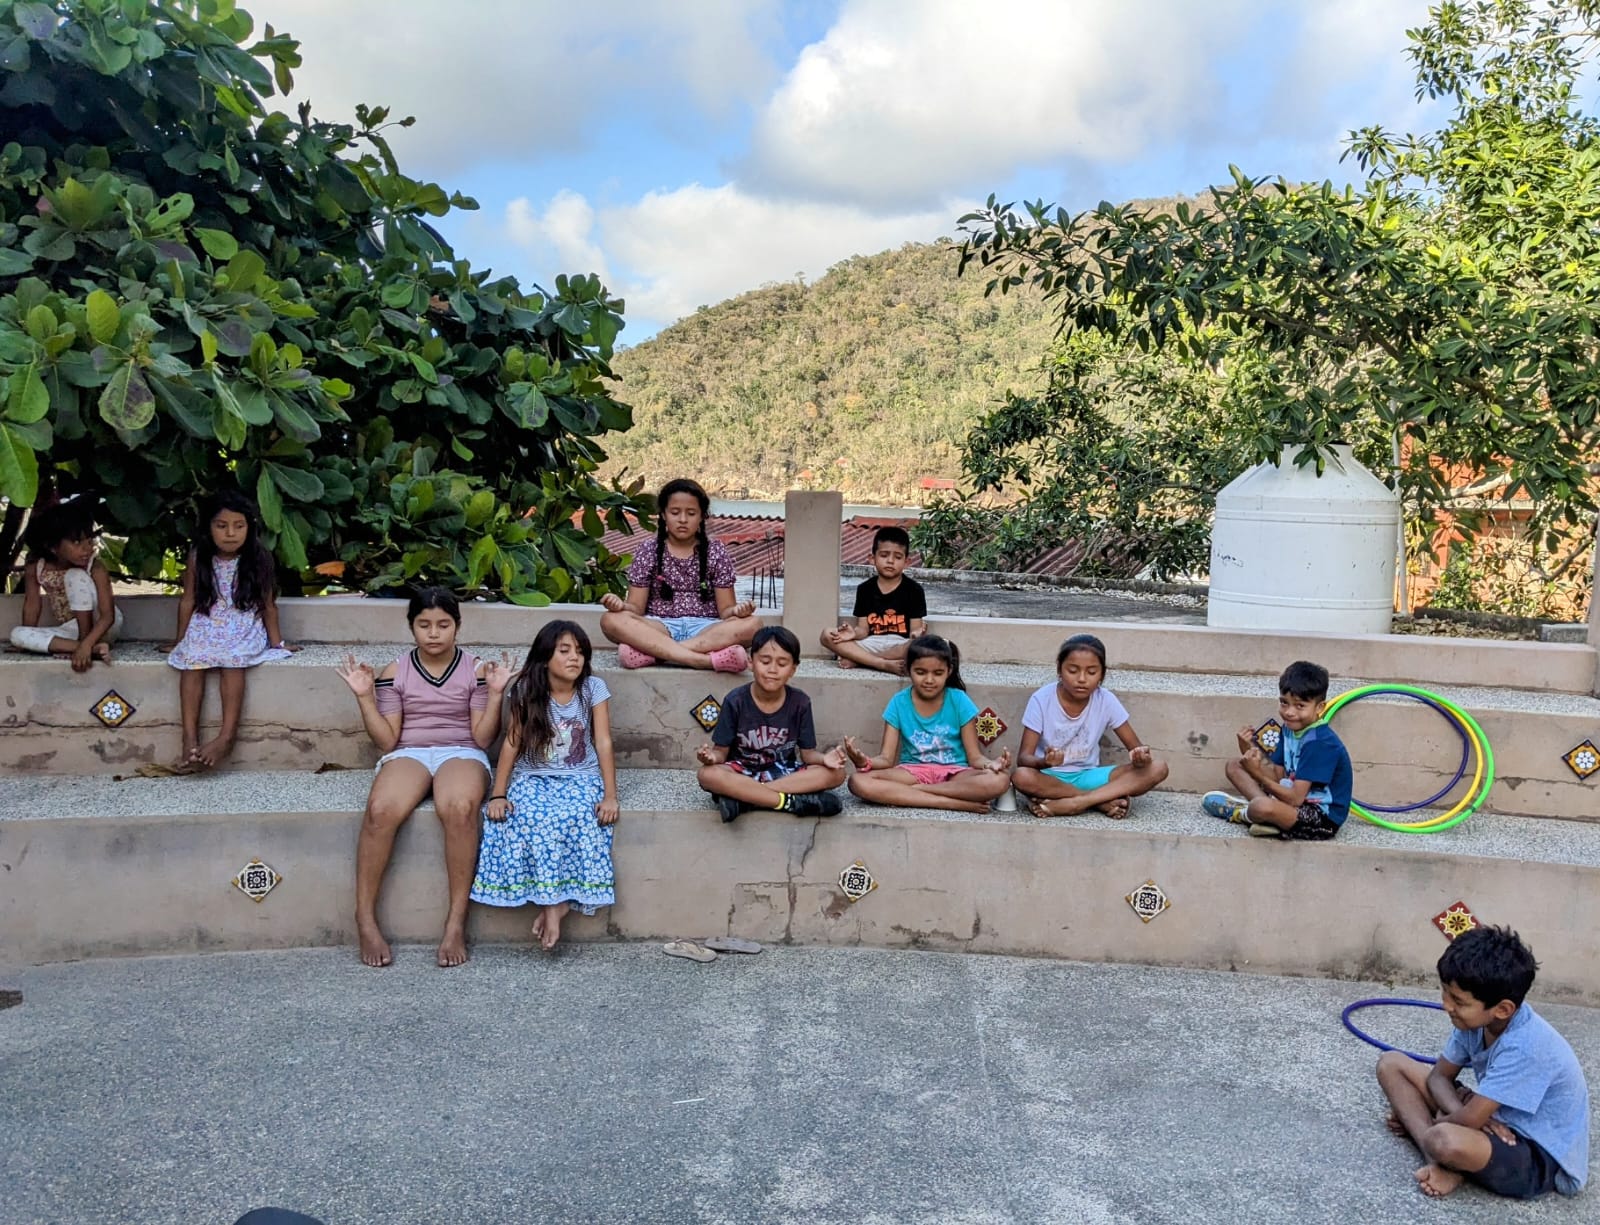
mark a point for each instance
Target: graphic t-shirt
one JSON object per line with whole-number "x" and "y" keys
{"x": 1531, "y": 1071}
{"x": 681, "y": 576}
{"x": 1319, "y": 755}
{"x": 935, "y": 741}
{"x": 892, "y": 613}
{"x": 757, "y": 740}
{"x": 571, "y": 748}
{"x": 1078, "y": 739}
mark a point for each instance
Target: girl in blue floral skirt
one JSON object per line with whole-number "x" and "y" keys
{"x": 547, "y": 839}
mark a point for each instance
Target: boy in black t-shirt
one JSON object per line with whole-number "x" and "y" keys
{"x": 890, "y": 610}
{"x": 763, "y": 751}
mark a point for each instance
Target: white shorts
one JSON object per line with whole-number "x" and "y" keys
{"x": 881, "y": 644}
{"x": 432, "y": 759}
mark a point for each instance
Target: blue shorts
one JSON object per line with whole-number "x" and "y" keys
{"x": 1084, "y": 778}
{"x": 684, "y": 628}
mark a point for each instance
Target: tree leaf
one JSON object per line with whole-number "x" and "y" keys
{"x": 19, "y": 469}
{"x": 127, "y": 403}
{"x": 103, "y": 315}
{"x": 269, "y": 502}
{"x": 27, "y": 401}
{"x": 14, "y": 262}
{"x": 299, "y": 484}
{"x": 218, "y": 244}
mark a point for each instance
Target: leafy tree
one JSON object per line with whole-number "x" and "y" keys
{"x": 198, "y": 291}
{"x": 1448, "y": 307}
{"x": 1122, "y": 452}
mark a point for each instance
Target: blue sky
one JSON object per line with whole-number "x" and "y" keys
{"x": 688, "y": 150}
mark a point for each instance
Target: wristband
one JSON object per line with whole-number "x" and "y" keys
{"x": 865, "y": 767}
{"x": 498, "y": 797}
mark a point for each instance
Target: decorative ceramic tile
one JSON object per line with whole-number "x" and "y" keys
{"x": 113, "y": 710}
{"x": 1148, "y": 901}
{"x": 1268, "y": 735}
{"x": 1583, "y": 760}
{"x": 706, "y": 712}
{"x": 1455, "y": 920}
{"x": 256, "y": 880}
{"x": 990, "y": 726}
{"x": 855, "y": 882}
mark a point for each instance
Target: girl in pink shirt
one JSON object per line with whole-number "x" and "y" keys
{"x": 432, "y": 712}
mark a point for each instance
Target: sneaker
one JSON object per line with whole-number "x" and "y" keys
{"x": 729, "y": 808}
{"x": 1224, "y": 807}
{"x": 1265, "y": 831}
{"x": 816, "y": 804}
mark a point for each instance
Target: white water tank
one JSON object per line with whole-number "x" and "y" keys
{"x": 1293, "y": 550}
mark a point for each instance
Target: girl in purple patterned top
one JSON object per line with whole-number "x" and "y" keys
{"x": 680, "y": 607}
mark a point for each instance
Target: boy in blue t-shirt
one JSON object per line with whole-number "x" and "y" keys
{"x": 1525, "y": 1129}
{"x": 1302, "y": 791}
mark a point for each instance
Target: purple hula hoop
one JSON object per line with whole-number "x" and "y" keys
{"x": 1461, "y": 770}
{"x": 1375, "y": 1002}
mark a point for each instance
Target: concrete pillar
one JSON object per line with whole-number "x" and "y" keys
{"x": 812, "y": 523}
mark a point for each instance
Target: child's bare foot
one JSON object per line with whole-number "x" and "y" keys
{"x": 213, "y": 751}
{"x": 187, "y": 762}
{"x": 375, "y": 950}
{"x": 102, "y": 652}
{"x": 1436, "y": 1181}
{"x": 453, "y": 948}
{"x": 846, "y": 663}
{"x": 1393, "y": 1123}
{"x": 1116, "y": 809}
{"x": 552, "y": 916}
{"x": 538, "y": 927}
{"x": 1071, "y": 806}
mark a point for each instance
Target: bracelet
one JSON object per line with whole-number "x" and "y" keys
{"x": 501, "y": 796}
{"x": 865, "y": 767}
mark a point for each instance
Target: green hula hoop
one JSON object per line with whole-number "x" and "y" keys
{"x": 1480, "y": 744}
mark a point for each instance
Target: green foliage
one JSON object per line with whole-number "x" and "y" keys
{"x": 1451, "y": 303}
{"x": 197, "y": 291}
{"x": 868, "y": 379}
{"x": 1122, "y": 451}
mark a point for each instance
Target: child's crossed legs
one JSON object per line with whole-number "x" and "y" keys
{"x": 1054, "y": 797}
{"x": 972, "y": 790}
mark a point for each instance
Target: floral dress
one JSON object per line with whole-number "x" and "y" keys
{"x": 551, "y": 848}
{"x": 225, "y": 637}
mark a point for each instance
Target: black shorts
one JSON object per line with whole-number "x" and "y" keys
{"x": 1311, "y": 824}
{"x": 1522, "y": 1170}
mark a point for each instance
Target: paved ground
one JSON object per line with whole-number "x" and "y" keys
{"x": 613, "y": 1084}
{"x": 1042, "y": 603}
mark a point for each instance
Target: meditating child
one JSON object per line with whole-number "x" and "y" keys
{"x": 1058, "y": 764}
{"x": 930, "y": 756}
{"x": 227, "y": 622}
{"x": 890, "y": 610}
{"x": 680, "y": 607}
{"x": 763, "y": 751}
{"x": 1302, "y": 791}
{"x": 1524, "y": 1129}
{"x": 65, "y": 586}
{"x": 547, "y": 840}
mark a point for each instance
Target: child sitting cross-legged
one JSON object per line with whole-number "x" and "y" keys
{"x": 930, "y": 756}
{"x": 763, "y": 751}
{"x": 67, "y": 606}
{"x": 1524, "y": 1129}
{"x": 890, "y": 610}
{"x": 1302, "y": 791}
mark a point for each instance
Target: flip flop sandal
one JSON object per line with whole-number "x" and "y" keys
{"x": 732, "y": 944}
{"x": 688, "y": 949}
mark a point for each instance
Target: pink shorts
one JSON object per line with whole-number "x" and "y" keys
{"x": 926, "y": 774}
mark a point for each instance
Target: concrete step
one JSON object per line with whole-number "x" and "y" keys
{"x": 1538, "y": 666}
{"x": 299, "y": 713}
{"x": 97, "y": 867}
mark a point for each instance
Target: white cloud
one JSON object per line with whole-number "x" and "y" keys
{"x": 675, "y": 251}
{"x": 562, "y": 234}
{"x": 505, "y": 79}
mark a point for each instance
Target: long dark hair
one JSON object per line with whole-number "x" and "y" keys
{"x": 255, "y": 582}
{"x": 931, "y": 646}
{"x": 702, "y": 542}
{"x": 528, "y": 705}
{"x": 71, "y": 518}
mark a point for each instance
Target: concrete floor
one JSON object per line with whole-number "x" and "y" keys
{"x": 610, "y": 1083}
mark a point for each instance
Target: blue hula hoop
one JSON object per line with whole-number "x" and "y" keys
{"x": 1376, "y": 1002}
{"x": 1461, "y": 770}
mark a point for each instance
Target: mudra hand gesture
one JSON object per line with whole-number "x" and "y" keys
{"x": 706, "y": 755}
{"x": 357, "y": 675}
{"x": 497, "y": 675}
{"x": 834, "y": 758}
{"x": 746, "y": 608}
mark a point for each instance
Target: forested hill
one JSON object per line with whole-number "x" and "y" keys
{"x": 866, "y": 380}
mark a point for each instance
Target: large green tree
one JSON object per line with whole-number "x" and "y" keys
{"x": 1450, "y": 305}
{"x": 197, "y": 290}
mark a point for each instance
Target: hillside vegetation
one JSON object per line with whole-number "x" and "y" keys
{"x": 865, "y": 381}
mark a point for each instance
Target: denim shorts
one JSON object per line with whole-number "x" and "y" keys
{"x": 1084, "y": 778}
{"x": 684, "y": 628}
